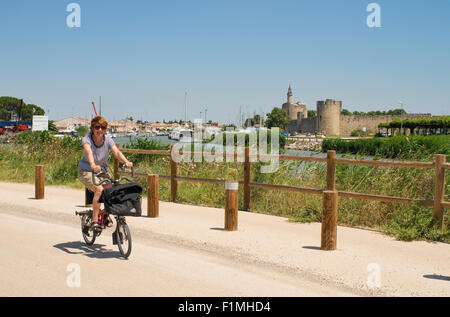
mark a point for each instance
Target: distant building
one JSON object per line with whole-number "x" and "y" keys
{"x": 70, "y": 124}
{"x": 295, "y": 110}
{"x": 123, "y": 126}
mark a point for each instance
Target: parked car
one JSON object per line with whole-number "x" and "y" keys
{"x": 64, "y": 133}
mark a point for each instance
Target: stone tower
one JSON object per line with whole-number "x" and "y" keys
{"x": 329, "y": 117}
{"x": 292, "y": 108}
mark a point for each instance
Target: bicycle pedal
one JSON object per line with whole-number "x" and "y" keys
{"x": 86, "y": 230}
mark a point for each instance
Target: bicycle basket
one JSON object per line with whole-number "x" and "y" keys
{"x": 123, "y": 200}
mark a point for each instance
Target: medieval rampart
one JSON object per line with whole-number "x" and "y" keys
{"x": 348, "y": 124}
{"x": 306, "y": 125}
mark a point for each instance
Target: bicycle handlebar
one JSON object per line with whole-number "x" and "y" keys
{"x": 101, "y": 173}
{"x": 109, "y": 179}
{"x": 122, "y": 166}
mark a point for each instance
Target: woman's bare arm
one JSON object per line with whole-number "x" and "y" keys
{"x": 90, "y": 158}
{"x": 119, "y": 155}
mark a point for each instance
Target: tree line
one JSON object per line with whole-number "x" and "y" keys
{"x": 8, "y": 105}
{"x": 424, "y": 126}
{"x": 394, "y": 112}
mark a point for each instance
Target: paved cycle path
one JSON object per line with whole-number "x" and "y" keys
{"x": 186, "y": 252}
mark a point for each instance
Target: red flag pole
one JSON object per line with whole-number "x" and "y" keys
{"x": 94, "y": 108}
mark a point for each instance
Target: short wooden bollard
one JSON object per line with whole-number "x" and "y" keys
{"x": 231, "y": 206}
{"x": 39, "y": 182}
{"x": 153, "y": 196}
{"x": 329, "y": 221}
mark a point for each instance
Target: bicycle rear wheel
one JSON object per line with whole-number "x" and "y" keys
{"x": 123, "y": 236}
{"x": 88, "y": 233}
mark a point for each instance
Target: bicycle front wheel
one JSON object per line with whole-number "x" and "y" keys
{"x": 123, "y": 236}
{"x": 88, "y": 234}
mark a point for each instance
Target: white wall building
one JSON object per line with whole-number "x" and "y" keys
{"x": 71, "y": 123}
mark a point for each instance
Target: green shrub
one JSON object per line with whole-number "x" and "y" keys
{"x": 415, "y": 223}
{"x": 407, "y": 147}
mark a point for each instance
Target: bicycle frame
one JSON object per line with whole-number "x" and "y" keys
{"x": 120, "y": 220}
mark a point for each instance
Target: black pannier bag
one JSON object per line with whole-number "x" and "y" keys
{"x": 123, "y": 200}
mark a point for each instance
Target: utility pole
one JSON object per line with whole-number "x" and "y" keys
{"x": 401, "y": 118}
{"x": 240, "y": 116}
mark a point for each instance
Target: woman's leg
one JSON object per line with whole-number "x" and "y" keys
{"x": 95, "y": 204}
{"x": 109, "y": 220}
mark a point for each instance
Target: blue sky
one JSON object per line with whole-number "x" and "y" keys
{"x": 142, "y": 56}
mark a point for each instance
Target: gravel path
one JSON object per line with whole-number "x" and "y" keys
{"x": 186, "y": 252}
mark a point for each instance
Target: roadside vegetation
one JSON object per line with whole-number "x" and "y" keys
{"x": 405, "y": 222}
{"x": 424, "y": 126}
{"x": 59, "y": 156}
{"x": 413, "y": 147}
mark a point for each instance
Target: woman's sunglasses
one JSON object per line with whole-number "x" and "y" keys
{"x": 98, "y": 127}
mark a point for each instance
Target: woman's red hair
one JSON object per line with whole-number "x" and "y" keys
{"x": 98, "y": 120}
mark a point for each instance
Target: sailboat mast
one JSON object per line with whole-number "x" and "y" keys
{"x": 185, "y": 107}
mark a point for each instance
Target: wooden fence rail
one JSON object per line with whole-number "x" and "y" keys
{"x": 439, "y": 165}
{"x": 331, "y": 161}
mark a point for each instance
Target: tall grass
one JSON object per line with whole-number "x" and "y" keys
{"x": 405, "y": 222}
{"x": 59, "y": 156}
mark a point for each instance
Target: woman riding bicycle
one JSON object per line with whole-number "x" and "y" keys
{"x": 96, "y": 146}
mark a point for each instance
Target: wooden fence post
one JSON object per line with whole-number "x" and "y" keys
{"x": 153, "y": 195}
{"x": 39, "y": 182}
{"x": 116, "y": 166}
{"x": 331, "y": 170}
{"x": 439, "y": 187}
{"x": 329, "y": 221}
{"x": 231, "y": 206}
{"x": 173, "y": 174}
{"x": 330, "y": 206}
{"x": 247, "y": 177}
